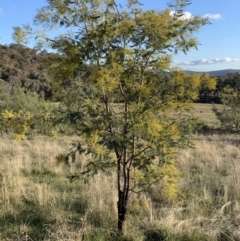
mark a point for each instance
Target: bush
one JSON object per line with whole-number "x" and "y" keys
{"x": 156, "y": 235}
{"x": 16, "y": 122}
{"x": 23, "y": 111}
{"x": 229, "y": 115}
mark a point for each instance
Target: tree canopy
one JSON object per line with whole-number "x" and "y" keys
{"x": 132, "y": 114}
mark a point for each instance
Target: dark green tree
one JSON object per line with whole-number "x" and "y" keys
{"x": 130, "y": 113}
{"x": 229, "y": 112}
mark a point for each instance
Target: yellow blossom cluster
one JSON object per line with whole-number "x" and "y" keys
{"x": 17, "y": 122}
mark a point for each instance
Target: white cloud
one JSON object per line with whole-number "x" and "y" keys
{"x": 208, "y": 62}
{"x": 188, "y": 15}
{"x": 215, "y": 16}
{"x": 185, "y": 15}
{"x": 1, "y": 11}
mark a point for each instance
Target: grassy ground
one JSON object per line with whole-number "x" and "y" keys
{"x": 38, "y": 202}
{"x": 204, "y": 113}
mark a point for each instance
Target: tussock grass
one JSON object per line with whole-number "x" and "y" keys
{"x": 38, "y": 202}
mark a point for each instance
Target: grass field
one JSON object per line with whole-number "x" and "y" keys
{"x": 38, "y": 202}
{"x": 204, "y": 113}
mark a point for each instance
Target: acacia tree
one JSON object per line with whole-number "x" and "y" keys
{"x": 131, "y": 112}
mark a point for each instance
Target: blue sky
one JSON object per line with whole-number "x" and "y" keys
{"x": 220, "y": 41}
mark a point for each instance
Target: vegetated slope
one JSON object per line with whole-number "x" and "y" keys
{"x": 216, "y": 72}
{"x": 224, "y": 72}
{"x": 21, "y": 66}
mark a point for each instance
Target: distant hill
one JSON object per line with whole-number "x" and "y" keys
{"x": 216, "y": 72}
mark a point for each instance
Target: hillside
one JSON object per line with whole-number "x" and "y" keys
{"x": 216, "y": 72}
{"x": 22, "y": 67}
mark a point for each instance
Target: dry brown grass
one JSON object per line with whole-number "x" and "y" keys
{"x": 37, "y": 201}
{"x": 211, "y": 177}
{"x": 205, "y": 114}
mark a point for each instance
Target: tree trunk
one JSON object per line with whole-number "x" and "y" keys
{"x": 122, "y": 209}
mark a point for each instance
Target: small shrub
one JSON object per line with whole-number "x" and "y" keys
{"x": 17, "y": 122}
{"x": 156, "y": 235}
{"x": 22, "y": 112}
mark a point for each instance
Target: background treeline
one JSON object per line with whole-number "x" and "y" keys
{"x": 21, "y": 66}
{"x": 230, "y": 80}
